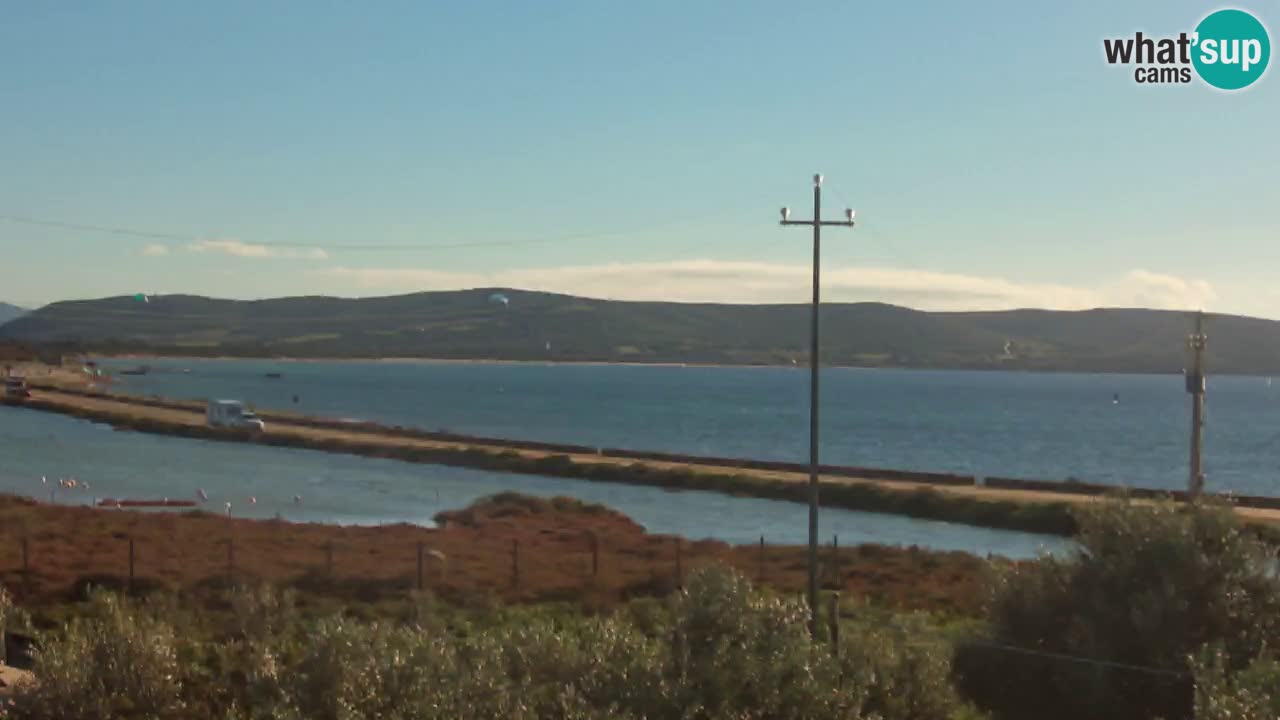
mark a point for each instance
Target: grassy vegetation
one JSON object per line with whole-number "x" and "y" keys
{"x": 468, "y": 562}
{"x": 1164, "y": 612}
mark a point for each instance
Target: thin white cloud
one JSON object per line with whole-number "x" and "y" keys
{"x": 754, "y": 282}
{"x": 155, "y": 250}
{"x": 237, "y": 248}
{"x": 1155, "y": 290}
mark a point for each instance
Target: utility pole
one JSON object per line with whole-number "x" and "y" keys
{"x": 817, "y": 222}
{"x": 1196, "y": 342}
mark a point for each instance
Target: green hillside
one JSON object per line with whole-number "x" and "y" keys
{"x": 542, "y": 326}
{"x": 9, "y": 312}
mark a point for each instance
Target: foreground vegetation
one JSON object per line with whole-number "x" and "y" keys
{"x": 718, "y": 649}
{"x": 1163, "y": 611}
{"x": 1161, "y": 608}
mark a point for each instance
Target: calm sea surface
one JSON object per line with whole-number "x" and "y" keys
{"x": 1123, "y": 429}
{"x": 1049, "y": 426}
{"x": 356, "y": 490}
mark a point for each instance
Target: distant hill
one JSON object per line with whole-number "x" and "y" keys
{"x": 9, "y": 312}
{"x": 474, "y": 324}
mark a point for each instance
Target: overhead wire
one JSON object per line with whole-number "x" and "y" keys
{"x": 362, "y": 247}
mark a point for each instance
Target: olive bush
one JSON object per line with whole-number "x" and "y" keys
{"x": 902, "y": 666}
{"x": 1146, "y": 588}
{"x": 115, "y": 662}
{"x": 6, "y": 607}
{"x": 1252, "y": 693}
{"x": 718, "y": 650}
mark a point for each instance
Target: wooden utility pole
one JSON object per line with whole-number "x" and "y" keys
{"x": 817, "y": 222}
{"x": 1196, "y": 342}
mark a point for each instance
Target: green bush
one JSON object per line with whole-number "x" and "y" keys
{"x": 1147, "y": 586}
{"x": 719, "y": 650}
{"x": 12, "y": 618}
{"x": 6, "y": 606}
{"x": 1250, "y": 694}
{"x": 117, "y": 662}
{"x": 740, "y": 653}
{"x": 905, "y": 667}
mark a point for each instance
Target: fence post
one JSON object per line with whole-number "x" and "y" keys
{"x": 515, "y": 564}
{"x": 836, "y": 580}
{"x": 595, "y": 553}
{"x": 231, "y": 560}
{"x": 679, "y": 569}
{"x": 26, "y": 567}
{"x": 131, "y": 565}
{"x": 760, "y": 575}
{"x": 419, "y": 565}
{"x": 834, "y": 619}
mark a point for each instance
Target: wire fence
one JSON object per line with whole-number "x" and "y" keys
{"x": 547, "y": 564}
{"x": 360, "y": 566}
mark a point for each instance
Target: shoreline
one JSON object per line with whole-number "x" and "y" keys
{"x": 1024, "y": 506}
{"x": 629, "y": 363}
{"x": 411, "y": 360}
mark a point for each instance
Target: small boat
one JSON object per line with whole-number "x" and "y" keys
{"x": 140, "y": 370}
{"x": 125, "y": 503}
{"x": 273, "y": 375}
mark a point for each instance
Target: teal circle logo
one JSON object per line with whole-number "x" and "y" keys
{"x": 1232, "y": 49}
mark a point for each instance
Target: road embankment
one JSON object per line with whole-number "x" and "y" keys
{"x": 1009, "y": 504}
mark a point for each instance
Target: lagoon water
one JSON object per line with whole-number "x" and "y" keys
{"x": 1048, "y": 426}
{"x": 357, "y": 490}
{"x": 1051, "y": 426}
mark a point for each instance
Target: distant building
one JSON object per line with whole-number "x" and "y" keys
{"x": 1009, "y": 353}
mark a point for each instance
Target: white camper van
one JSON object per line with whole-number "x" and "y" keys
{"x": 232, "y": 413}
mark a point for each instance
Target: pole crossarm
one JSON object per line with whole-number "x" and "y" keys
{"x": 824, "y": 223}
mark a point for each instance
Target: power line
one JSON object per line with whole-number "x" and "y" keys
{"x": 919, "y": 637}
{"x": 1080, "y": 659}
{"x": 376, "y": 247}
{"x": 93, "y": 228}
{"x": 514, "y": 687}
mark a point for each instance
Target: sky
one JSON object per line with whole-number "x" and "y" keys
{"x": 629, "y": 150}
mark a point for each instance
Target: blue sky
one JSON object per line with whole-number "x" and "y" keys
{"x": 630, "y": 150}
